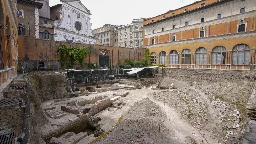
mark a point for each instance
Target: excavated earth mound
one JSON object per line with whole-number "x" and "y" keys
{"x": 142, "y": 124}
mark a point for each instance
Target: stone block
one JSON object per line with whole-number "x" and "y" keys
{"x": 70, "y": 109}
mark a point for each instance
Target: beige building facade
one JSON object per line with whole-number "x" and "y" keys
{"x": 131, "y": 36}
{"x": 106, "y": 35}
{"x": 128, "y": 36}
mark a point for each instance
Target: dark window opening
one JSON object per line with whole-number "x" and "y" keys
{"x": 45, "y": 35}
{"x": 45, "y": 21}
{"x": 186, "y": 23}
{"x": 203, "y": 4}
{"x": 21, "y": 30}
{"x": 241, "y": 28}
{"x": 201, "y": 33}
{"x": 173, "y": 37}
{"x": 153, "y": 41}
{"x": 219, "y": 16}
{"x": 162, "y": 29}
{"x": 41, "y": 64}
{"x": 242, "y": 10}
{"x": 202, "y": 19}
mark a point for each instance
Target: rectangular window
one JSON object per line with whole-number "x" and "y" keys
{"x": 41, "y": 35}
{"x": 136, "y": 35}
{"x": 219, "y": 16}
{"x": 242, "y": 10}
{"x": 173, "y": 27}
{"x": 45, "y": 21}
{"x": 130, "y": 36}
{"x": 153, "y": 41}
{"x": 51, "y": 36}
{"x": 241, "y": 28}
{"x": 21, "y": 30}
{"x": 162, "y": 29}
{"x": 130, "y": 29}
{"x": 136, "y": 43}
{"x": 201, "y": 33}
{"x": 173, "y": 37}
{"x": 202, "y": 19}
{"x": 186, "y": 23}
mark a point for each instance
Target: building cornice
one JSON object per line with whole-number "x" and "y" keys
{"x": 205, "y": 39}
{"x": 207, "y": 23}
{"x": 188, "y": 12}
{"x": 30, "y": 3}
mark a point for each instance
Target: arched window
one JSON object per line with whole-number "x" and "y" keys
{"x": 186, "y": 56}
{"x": 174, "y": 57}
{"x": 162, "y": 57}
{"x": 201, "y": 56}
{"x": 218, "y": 55}
{"x": 153, "y": 58}
{"x": 241, "y": 54}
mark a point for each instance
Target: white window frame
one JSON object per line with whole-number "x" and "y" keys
{"x": 202, "y": 29}
{"x": 242, "y": 22}
{"x": 173, "y": 35}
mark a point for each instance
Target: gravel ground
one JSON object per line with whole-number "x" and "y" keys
{"x": 142, "y": 124}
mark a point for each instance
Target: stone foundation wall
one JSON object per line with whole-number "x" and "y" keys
{"x": 12, "y": 119}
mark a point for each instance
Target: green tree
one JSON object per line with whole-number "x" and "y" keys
{"x": 71, "y": 55}
{"x": 146, "y": 58}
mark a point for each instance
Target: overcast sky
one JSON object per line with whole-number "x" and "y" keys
{"x": 121, "y": 12}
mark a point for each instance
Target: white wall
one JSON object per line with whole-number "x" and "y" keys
{"x": 65, "y": 27}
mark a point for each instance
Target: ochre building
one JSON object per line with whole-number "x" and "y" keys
{"x": 213, "y": 34}
{"x": 8, "y": 42}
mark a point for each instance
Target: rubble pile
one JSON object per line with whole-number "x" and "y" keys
{"x": 228, "y": 93}
{"x": 142, "y": 124}
{"x": 189, "y": 103}
{"x": 251, "y": 106}
{"x": 68, "y": 138}
{"x": 12, "y": 119}
{"x": 49, "y": 86}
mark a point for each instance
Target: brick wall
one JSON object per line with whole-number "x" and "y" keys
{"x": 45, "y": 51}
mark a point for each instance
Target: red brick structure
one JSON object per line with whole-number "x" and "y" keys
{"x": 37, "y": 53}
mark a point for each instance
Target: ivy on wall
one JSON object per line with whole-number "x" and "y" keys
{"x": 71, "y": 55}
